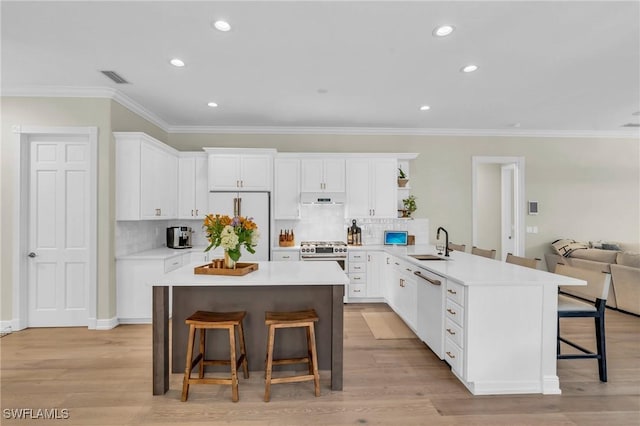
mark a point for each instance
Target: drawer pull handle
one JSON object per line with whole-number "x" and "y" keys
{"x": 451, "y": 332}
{"x": 434, "y": 282}
{"x": 356, "y": 291}
{"x": 175, "y": 263}
{"x": 286, "y": 257}
{"x": 452, "y": 291}
{"x": 452, "y": 312}
{"x": 452, "y": 356}
{"x": 397, "y": 263}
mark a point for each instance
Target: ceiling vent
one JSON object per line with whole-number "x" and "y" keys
{"x": 115, "y": 77}
{"x": 631, "y": 125}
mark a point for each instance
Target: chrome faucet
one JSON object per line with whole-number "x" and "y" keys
{"x": 446, "y": 246}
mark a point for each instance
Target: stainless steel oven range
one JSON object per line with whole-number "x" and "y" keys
{"x": 324, "y": 250}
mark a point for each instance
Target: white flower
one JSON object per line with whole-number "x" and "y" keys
{"x": 228, "y": 238}
{"x": 255, "y": 236}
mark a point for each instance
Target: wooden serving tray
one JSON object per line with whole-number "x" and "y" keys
{"x": 241, "y": 269}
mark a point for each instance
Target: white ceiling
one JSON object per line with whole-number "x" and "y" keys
{"x": 556, "y": 67}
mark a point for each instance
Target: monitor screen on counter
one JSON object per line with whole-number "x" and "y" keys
{"x": 398, "y": 238}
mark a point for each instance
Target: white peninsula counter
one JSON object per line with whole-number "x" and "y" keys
{"x": 497, "y": 321}
{"x": 275, "y": 286}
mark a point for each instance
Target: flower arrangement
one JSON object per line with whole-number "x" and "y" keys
{"x": 231, "y": 234}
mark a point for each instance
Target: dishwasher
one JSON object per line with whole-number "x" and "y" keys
{"x": 431, "y": 299}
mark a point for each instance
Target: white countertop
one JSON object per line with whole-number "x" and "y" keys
{"x": 268, "y": 274}
{"x": 469, "y": 269}
{"x": 161, "y": 253}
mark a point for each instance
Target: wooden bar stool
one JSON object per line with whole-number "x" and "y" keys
{"x": 275, "y": 320}
{"x": 203, "y": 321}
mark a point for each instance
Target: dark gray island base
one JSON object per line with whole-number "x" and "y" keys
{"x": 327, "y": 300}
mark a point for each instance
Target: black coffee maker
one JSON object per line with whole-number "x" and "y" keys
{"x": 179, "y": 237}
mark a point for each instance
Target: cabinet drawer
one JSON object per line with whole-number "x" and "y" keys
{"x": 454, "y": 332}
{"x": 285, "y": 256}
{"x": 172, "y": 263}
{"x": 454, "y": 312}
{"x": 357, "y": 267}
{"x": 453, "y": 355}
{"x": 455, "y": 292}
{"x": 357, "y": 256}
{"x": 358, "y": 278}
{"x": 357, "y": 290}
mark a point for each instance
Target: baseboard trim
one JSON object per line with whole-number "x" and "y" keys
{"x": 106, "y": 324}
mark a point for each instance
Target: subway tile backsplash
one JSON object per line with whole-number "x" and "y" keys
{"x": 136, "y": 236}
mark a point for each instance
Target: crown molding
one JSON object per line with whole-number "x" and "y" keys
{"x": 88, "y": 92}
{"x": 273, "y": 130}
{"x": 116, "y": 95}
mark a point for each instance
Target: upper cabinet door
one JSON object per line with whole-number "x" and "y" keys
{"x": 287, "y": 188}
{"x": 201, "y": 187}
{"x": 158, "y": 183}
{"x": 384, "y": 188}
{"x": 358, "y": 192}
{"x": 323, "y": 175}
{"x": 334, "y": 175}
{"x": 255, "y": 173}
{"x": 240, "y": 172}
{"x": 224, "y": 172}
{"x": 312, "y": 175}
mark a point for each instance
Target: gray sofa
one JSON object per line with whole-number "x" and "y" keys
{"x": 622, "y": 264}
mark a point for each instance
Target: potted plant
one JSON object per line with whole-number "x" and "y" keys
{"x": 409, "y": 204}
{"x": 402, "y": 178}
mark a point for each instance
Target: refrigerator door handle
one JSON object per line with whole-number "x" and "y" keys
{"x": 235, "y": 207}
{"x": 239, "y": 206}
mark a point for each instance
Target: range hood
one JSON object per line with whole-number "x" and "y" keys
{"x": 322, "y": 197}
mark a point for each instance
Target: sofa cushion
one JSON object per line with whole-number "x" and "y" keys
{"x": 564, "y": 247}
{"x": 627, "y": 258}
{"x": 597, "y": 255}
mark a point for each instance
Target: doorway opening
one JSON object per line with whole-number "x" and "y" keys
{"x": 497, "y": 203}
{"x": 55, "y": 207}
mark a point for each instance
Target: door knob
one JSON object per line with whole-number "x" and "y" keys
{"x": 32, "y": 254}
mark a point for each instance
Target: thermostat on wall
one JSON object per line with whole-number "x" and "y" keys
{"x": 533, "y": 207}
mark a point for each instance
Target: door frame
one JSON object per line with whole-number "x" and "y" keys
{"x": 21, "y": 159}
{"x": 518, "y": 201}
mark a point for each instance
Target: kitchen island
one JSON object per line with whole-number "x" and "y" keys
{"x": 275, "y": 286}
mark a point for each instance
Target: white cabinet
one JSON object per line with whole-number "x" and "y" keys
{"x": 371, "y": 187}
{"x": 454, "y": 327}
{"x": 364, "y": 270}
{"x": 285, "y": 255}
{"x": 403, "y": 292}
{"x": 287, "y": 188}
{"x": 146, "y": 178}
{"x": 240, "y": 172}
{"x": 323, "y": 175}
{"x": 192, "y": 186}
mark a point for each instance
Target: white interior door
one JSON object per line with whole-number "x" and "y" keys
{"x": 508, "y": 234}
{"x": 59, "y": 231}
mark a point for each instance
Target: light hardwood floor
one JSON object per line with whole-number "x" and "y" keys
{"x": 104, "y": 378}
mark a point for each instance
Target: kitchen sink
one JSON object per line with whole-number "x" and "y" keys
{"x": 427, "y": 257}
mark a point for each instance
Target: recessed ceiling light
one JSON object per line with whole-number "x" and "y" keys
{"x": 177, "y": 62}
{"x": 212, "y": 104}
{"x": 425, "y": 108}
{"x": 469, "y": 68}
{"x": 222, "y": 26}
{"x": 443, "y": 30}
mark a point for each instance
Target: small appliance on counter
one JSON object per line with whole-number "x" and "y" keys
{"x": 354, "y": 234}
{"x": 179, "y": 237}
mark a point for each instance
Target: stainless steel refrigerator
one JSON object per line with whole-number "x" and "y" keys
{"x": 256, "y": 205}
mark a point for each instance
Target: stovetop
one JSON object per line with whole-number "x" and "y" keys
{"x": 324, "y": 243}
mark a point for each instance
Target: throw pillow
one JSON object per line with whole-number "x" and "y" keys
{"x": 564, "y": 247}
